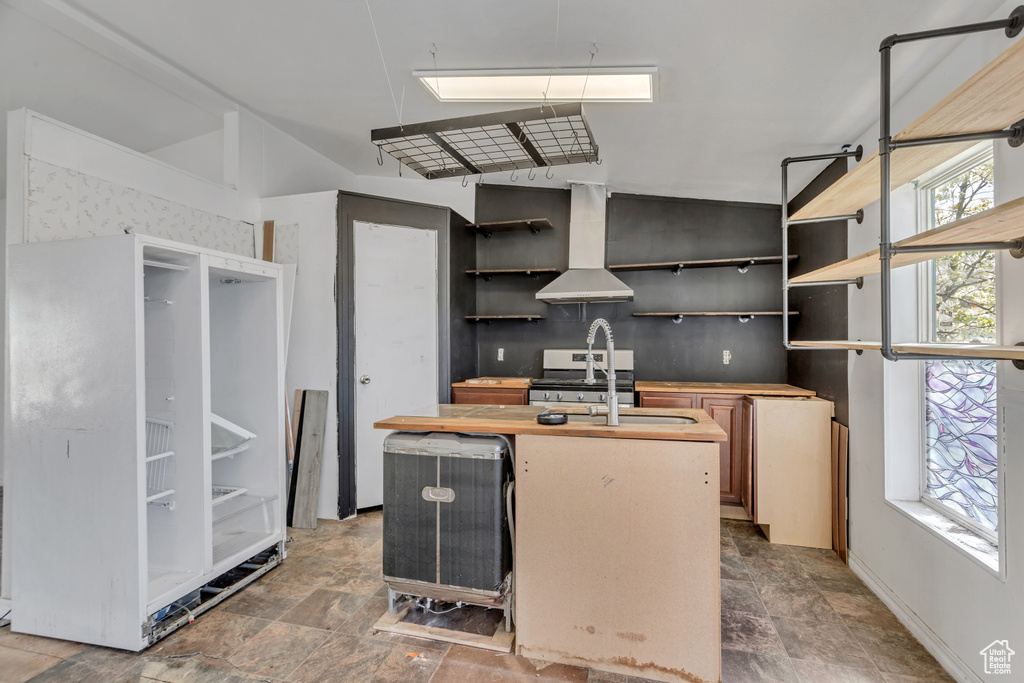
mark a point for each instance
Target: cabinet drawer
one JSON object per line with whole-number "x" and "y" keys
{"x": 652, "y": 399}
{"x": 489, "y": 396}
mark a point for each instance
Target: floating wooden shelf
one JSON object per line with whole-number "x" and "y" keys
{"x": 676, "y": 266}
{"x": 677, "y": 316}
{"x": 1002, "y": 223}
{"x": 487, "y": 274}
{"x": 992, "y": 99}
{"x": 489, "y": 318}
{"x": 534, "y": 225}
{"x": 982, "y": 351}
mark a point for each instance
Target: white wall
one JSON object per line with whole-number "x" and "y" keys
{"x": 312, "y": 361}
{"x": 954, "y": 605}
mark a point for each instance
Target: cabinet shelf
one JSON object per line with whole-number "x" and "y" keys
{"x": 487, "y": 274}
{"x": 164, "y": 264}
{"x": 741, "y": 262}
{"x": 534, "y": 225}
{"x": 153, "y": 495}
{"x": 677, "y": 316}
{"x": 489, "y": 318}
{"x": 1001, "y": 223}
{"x": 225, "y": 493}
{"x": 981, "y": 351}
{"x": 227, "y": 438}
{"x": 998, "y": 85}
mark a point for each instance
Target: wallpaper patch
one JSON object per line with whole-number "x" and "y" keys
{"x": 64, "y": 204}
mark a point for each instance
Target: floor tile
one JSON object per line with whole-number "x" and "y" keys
{"x": 324, "y": 609}
{"x": 95, "y": 664}
{"x": 278, "y": 650}
{"x": 741, "y": 596}
{"x": 817, "y": 556}
{"x": 864, "y": 610}
{"x": 215, "y": 634}
{"x": 897, "y": 678}
{"x": 463, "y": 664}
{"x": 797, "y": 603}
{"x": 343, "y": 659}
{"x": 17, "y": 666}
{"x": 409, "y": 665}
{"x": 817, "y": 672}
{"x": 348, "y": 549}
{"x": 757, "y": 547}
{"x": 609, "y": 677}
{"x": 733, "y": 568}
{"x": 728, "y": 546}
{"x": 750, "y": 633}
{"x": 361, "y": 624}
{"x": 739, "y": 528}
{"x": 61, "y": 649}
{"x": 767, "y": 571}
{"x": 304, "y": 570}
{"x": 749, "y": 667}
{"x": 357, "y": 578}
{"x": 900, "y": 653}
{"x": 821, "y": 642}
{"x": 198, "y": 669}
{"x": 837, "y": 579}
{"x": 266, "y": 599}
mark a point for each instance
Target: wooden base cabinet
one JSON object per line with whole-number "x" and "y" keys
{"x": 725, "y": 409}
{"x": 489, "y": 396}
{"x": 787, "y": 482}
{"x": 146, "y": 444}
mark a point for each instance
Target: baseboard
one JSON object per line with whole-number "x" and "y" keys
{"x": 949, "y": 660}
{"x": 5, "y": 610}
{"x": 733, "y": 512}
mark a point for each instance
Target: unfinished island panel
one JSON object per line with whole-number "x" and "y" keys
{"x": 111, "y": 418}
{"x": 597, "y": 584}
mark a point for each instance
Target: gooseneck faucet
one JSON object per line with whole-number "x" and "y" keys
{"x": 613, "y": 399}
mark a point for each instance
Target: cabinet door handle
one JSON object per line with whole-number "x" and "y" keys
{"x": 365, "y": 379}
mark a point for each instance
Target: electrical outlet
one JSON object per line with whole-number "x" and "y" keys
{"x": 726, "y": 357}
{"x": 501, "y": 354}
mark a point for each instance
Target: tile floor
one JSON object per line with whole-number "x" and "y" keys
{"x": 788, "y": 614}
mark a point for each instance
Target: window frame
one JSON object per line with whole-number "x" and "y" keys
{"x": 927, "y": 322}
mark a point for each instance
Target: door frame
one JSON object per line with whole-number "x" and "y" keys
{"x": 367, "y": 208}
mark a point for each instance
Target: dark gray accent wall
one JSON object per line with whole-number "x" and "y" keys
{"x": 823, "y": 310}
{"x": 356, "y": 207}
{"x": 640, "y": 229}
{"x": 462, "y": 251}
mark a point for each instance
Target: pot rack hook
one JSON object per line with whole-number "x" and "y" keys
{"x": 549, "y": 174}
{"x": 465, "y": 180}
{"x": 513, "y": 176}
{"x": 531, "y": 175}
{"x": 380, "y": 155}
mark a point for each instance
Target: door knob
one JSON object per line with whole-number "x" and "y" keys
{"x": 365, "y": 379}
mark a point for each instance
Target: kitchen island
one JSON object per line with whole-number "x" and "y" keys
{"x": 617, "y": 536}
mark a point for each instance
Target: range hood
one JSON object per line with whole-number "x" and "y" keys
{"x": 586, "y": 280}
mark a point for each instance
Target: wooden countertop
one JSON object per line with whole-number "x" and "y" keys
{"x": 496, "y": 383}
{"x": 479, "y": 419}
{"x": 746, "y": 389}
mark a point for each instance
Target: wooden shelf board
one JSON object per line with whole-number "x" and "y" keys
{"x": 485, "y": 318}
{"x": 990, "y": 351}
{"x": 688, "y": 314}
{"x": 991, "y": 99}
{"x": 513, "y": 271}
{"x": 707, "y": 263}
{"x": 509, "y": 226}
{"x": 1001, "y": 223}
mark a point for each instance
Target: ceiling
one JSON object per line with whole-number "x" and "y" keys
{"x": 741, "y": 84}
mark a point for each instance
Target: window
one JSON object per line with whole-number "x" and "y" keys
{"x": 960, "y": 466}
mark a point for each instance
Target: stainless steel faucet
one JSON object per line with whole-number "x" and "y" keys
{"x": 613, "y": 398}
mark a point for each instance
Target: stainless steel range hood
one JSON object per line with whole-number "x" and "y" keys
{"x": 586, "y": 280}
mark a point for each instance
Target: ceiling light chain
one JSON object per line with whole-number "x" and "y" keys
{"x": 593, "y": 53}
{"x": 398, "y": 112}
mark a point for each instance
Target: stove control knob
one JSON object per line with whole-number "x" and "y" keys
{"x": 602, "y": 397}
{"x": 559, "y": 396}
{"x": 579, "y": 397}
{"x": 547, "y": 395}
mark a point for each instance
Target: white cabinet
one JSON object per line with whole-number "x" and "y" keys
{"x": 146, "y": 433}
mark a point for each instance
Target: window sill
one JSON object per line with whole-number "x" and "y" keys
{"x": 971, "y": 544}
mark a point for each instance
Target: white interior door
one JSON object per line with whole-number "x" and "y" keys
{"x": 396, "y": 338}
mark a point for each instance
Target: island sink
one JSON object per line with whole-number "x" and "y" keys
{"x": 635, "y": 419}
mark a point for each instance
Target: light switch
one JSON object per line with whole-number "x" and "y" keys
{"x": 501, "y": 354}
{"x": 726, "y": 357}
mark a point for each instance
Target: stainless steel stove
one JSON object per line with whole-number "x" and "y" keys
{"x": 565, "y": 371}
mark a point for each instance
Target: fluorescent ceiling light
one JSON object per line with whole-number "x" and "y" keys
{"x": 634, "y": 84}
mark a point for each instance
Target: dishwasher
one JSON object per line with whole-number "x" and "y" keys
{"x": 446, "y": 523}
